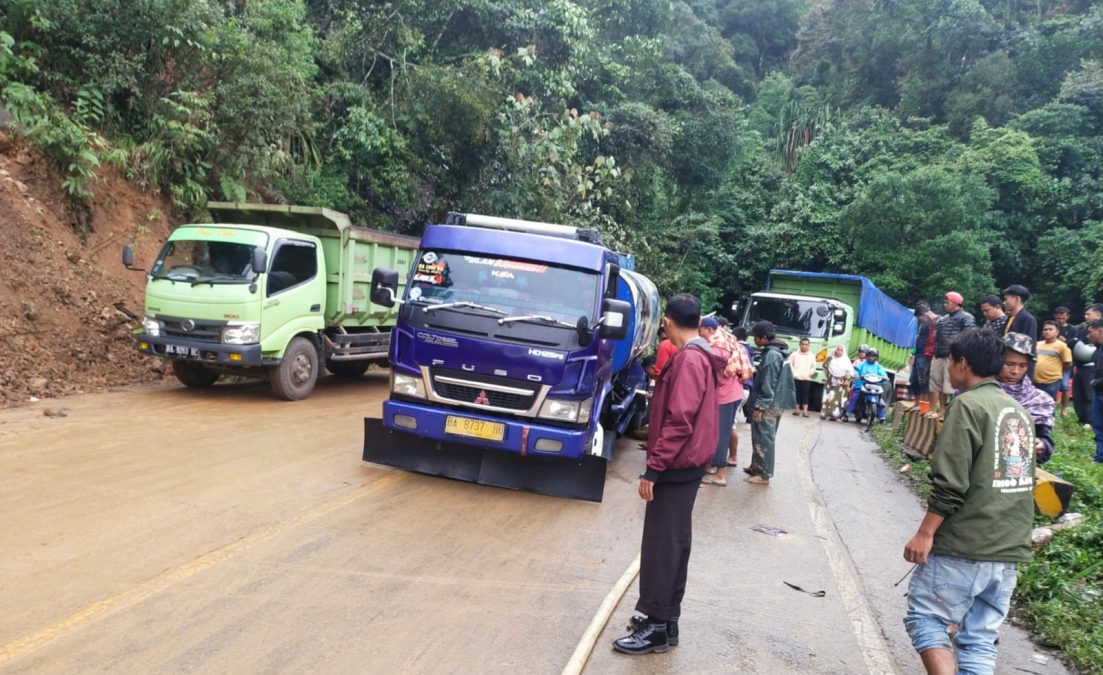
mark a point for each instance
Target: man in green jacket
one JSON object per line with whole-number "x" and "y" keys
{"x": 979, "y": 515}
{"x": 773, "y": 393}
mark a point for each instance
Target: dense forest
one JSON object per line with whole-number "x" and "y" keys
{"x": 929, "y": 144}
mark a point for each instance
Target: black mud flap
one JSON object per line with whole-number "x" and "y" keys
{"x": 542, "y": 475}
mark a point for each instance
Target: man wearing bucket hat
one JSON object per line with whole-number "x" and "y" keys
{"x": 949, "y": 326}
{"x": 1016, "y": 384}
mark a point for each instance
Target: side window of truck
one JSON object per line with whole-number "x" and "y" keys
{"x": 294, "y": 263}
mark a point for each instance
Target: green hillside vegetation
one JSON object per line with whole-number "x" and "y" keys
{"x": 928, "y": 144}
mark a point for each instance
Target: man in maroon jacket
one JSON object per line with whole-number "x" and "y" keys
{"x": 681, "y": 442}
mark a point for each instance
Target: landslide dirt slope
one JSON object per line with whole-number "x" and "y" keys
{"x": 67, "y": 305}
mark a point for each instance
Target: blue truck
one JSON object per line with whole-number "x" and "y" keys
{"x": 514, "y": 357}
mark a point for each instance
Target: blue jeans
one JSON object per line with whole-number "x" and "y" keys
{"x": 1097, "y": 424}
{"x": 974, "y": 595}
{"x": 1050, "y": 388}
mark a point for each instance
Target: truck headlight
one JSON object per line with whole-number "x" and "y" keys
{"x": 407, "y": 385}
{"x": 245, "y": 333}
{"x": 151, "y": 326}
{"x": 565, "y": 411}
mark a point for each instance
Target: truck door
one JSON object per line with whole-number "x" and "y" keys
{"x": 294, "y": 291}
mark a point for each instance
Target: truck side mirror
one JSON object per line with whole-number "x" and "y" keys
{"x": 128, "y": 256}
{"x": 260, "y": 260}
{"x": 384, "y": 287}
{"x": 839, "y": 325}
{"x": 614, "y": 319}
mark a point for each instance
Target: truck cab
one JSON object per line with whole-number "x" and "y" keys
{"x": 830, "y": 310}
{"x": 825, "y": 322}
{"x": 268, "y": 291}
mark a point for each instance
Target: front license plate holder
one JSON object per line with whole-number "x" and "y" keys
{"x": 182, "y": 350}
{"x": 473, "y": 428}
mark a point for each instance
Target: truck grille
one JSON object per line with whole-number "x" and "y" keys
{"x": 199, "y": 330}
{"x": 478, "y": 391}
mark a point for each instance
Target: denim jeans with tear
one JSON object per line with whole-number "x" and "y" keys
{"x": 974, "y": 595}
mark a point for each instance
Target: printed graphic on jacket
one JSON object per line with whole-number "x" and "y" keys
{"x": 1013, "y": 457}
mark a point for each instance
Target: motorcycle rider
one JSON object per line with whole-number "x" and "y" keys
{"x": 868, "y": 367}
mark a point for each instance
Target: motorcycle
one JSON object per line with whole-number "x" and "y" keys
{"x": 870, "y": 398}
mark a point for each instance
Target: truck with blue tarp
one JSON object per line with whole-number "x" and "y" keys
{"x": 832, "y": 309}
{"x": 515, "y": 356}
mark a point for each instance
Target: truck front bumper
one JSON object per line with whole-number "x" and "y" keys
{"x": 209, "y": 353}
{"x": 520, "y": 438}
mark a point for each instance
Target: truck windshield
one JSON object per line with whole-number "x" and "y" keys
{"x": 505, "y": 288}
{"x": 792, "y": 316}
{"x": 203, "y": 261}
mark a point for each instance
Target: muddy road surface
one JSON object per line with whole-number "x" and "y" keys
{"x": 166, "y": 530}
{"x": 169, "y": 530}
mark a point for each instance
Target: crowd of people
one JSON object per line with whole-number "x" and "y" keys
{"x": 1047, "y": 366}
{"x": 997, "y": 387}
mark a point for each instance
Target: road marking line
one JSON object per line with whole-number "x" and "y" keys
{"x": 150, "y": 587}
{"x": 586, "y": 644}
{"x": 874, "y": 650}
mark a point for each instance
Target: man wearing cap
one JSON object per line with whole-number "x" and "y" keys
{"x": 1015, "y": 383}
{"x": 1019, "y": 320}
{"x": 949, "y": 326}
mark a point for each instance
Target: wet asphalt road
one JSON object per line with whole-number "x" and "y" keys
{"x": 168, "y": 531}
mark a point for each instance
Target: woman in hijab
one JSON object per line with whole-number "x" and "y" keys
{"x": 1014, "y": 381}
{"x": 838, "y": 372}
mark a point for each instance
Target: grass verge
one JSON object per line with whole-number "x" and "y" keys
{"x": 1060, "y": 593}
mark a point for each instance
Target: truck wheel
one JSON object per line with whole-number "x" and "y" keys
{"x": 815, "y": 397}
{"x": 294, "y": 378}
{"x": 349, "y": 370}
{"x": 194, "y": 375}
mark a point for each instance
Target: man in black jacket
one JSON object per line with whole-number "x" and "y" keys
{"x": 1019, "y": 320}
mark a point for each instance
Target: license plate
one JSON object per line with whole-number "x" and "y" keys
{"x": 464, "y": 426}
{"x": 181, "y": 350}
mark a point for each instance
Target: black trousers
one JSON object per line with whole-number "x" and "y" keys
{"x": 1082, "y": 392}
{"x": 664, "y": 553}
{"x": 804, "y": 389}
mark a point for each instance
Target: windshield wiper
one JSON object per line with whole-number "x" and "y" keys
{"x": 534, "y": 317}
{"x": 462, "y": 303}
{"x": 221, "y": 279}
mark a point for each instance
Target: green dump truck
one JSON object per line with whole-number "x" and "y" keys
{"x": 832, "y": 309}
{"x": 270, "y": 291}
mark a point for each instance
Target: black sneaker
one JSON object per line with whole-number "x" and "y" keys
{"x": 637, "y": 622}
{"x": 650, "y": 637}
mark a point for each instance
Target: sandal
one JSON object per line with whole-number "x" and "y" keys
{"x": 709, "y": 480}
{"x": 750, "y": 470}
{"x": 756, "y": 480}
{"x": 732, "y": 462}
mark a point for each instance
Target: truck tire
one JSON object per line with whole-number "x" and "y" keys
{"x": 815, "y": 397}
{"x": 349, "y": 370}
{"x": 194, "y": 375}
{"x": 294, "y": 378}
